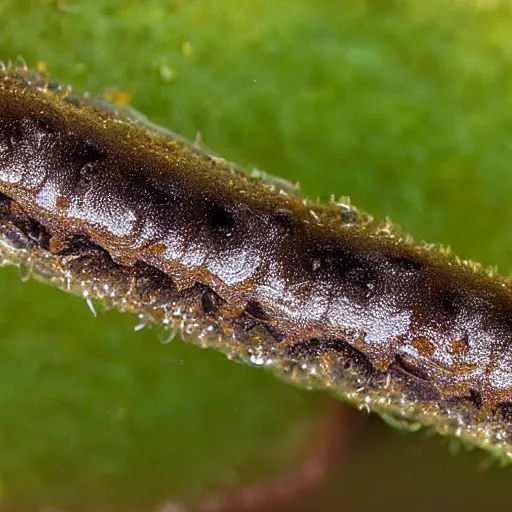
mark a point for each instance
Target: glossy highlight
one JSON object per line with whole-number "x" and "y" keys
{"x": 100, "y": 204}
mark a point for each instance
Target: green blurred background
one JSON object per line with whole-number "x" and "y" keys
{"x": 403, "y": 105}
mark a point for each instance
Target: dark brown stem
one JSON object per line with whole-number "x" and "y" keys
{"x": 325, "y": 446}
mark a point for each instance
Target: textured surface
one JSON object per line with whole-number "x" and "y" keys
{"x": 402, "y": 105}
{"x": 151, "y": 225}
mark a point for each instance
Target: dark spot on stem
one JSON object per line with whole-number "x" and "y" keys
{"x": 254, "y": 309}
{"x": 85, "y": 155}
{"x": 407, "y": 264}
{"x": 350, "y": 357}
{"x": 219, "y": 220}
{"x": 450, "y": 303}
{"x": 408, "y": 365}
{"x": 210, "y": 303}
{"x": 149, "y": 280}
{"x": 476, "y": 398}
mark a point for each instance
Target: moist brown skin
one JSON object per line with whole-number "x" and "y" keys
{"x": 320, "y": 292}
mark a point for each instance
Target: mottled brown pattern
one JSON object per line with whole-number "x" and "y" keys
{"x": 101, "y": 205}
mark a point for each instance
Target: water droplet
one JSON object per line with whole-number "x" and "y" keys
{"x": 257, "y": 359}
{"x": 140, "y": 326}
